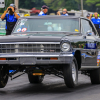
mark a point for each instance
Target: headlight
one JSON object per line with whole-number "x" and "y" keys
{"x": 65, "y": 47}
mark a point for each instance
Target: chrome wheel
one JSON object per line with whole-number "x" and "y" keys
{"x": 70, "y": 72}
{"x": 73, "y": 72}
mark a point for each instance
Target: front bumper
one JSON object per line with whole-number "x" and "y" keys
{"x": 32, "y": 59}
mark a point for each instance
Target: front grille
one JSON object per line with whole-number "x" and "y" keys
{"x": 29, "y": 48}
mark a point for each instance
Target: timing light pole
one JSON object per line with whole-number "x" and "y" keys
{"x": 82, "y": 7}
{"x": 16, "y": 4}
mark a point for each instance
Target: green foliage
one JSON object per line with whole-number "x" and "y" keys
{"x": 57, "y": 4}
{"x": 98, "y": 4}
{"x": 90, "y": 5}
{"x": 94, "y": 4}
{"x": 28, "y": 4}
{"x": 91, "y": 2}
{"x": 54, "y": 5}
{"x": 7, "y": 3}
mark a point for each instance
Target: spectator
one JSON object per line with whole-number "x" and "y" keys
{"x": 58, "y": 13}
{"x": 88, "y": 16}
{"x": 96, "y": 21}
{"x": 65, "y": 13}
{"x": 11, "y": 18}
{"x": 44, "y": 10}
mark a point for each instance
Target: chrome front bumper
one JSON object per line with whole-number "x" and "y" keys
{"x": 32, "y": 59}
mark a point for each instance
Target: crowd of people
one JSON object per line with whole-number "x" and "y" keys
{"x": 11, "y": 17}
{"x": 45, "y": 10}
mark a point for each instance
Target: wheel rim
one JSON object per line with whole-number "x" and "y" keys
{"x": 73, "y": 72}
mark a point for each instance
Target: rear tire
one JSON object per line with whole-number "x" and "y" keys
{"x": 70, "y": 72}
{"x": 35, "y": 79}
{"x": 95, "y": 76}
{"x": 4, "y": 72}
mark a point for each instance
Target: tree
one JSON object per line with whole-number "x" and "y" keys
{"x": 7, "y": 3}
{"x": 54, "y": 5}
{"x": 94, "y": 4}
{"x": 28, "y": 4}
{"x": 57, "y": 4}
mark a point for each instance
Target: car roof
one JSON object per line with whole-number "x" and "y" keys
{"x": 51, "y": 16}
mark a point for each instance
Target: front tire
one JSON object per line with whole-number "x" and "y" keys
{"x": 95, "y": 76}
{"x": 35, "y": 79}
{"x": 70, "y": 72}
{"x": 4, "y": 72}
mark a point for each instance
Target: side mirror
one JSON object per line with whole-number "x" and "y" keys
{"x": 89, "y": 33}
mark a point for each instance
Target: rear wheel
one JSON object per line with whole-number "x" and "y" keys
{"x": 95, "y": 76}
{"x": 70, "y": 72}
{"x": 35, "y": 79}
{"x": 4, "y": 71}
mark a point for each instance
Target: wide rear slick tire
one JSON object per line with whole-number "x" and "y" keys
{"x": 4, "y": 72}
{"x": 95, "y": 76}
{"x": 70, "y": 72}
{"x": 35, "y": 79}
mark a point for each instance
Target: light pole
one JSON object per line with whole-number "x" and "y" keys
{"x": 82, "y": 7}
{"x": 16, "y": 4}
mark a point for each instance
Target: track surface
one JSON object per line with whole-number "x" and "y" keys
{"x": 52, "y": 88}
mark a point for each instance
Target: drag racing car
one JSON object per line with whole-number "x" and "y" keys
{"x": 58, "y": 45}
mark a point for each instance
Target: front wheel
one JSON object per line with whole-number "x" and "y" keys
{"x": 35, "y": 79}
{"x": 4, "y": 72}
{"x": 70, "y": 72}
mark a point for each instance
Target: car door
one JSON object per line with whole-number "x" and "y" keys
{"x": 89, "y": 53}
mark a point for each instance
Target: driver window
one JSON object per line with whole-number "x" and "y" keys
{"x": 86, "y": 27}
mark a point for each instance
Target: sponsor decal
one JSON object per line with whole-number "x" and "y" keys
{"x": 85, "y": 55}
{"x": 24, "y": 29}
{"x": 19, "y": 30}
{"x": 91, "y": 45}
{"x": 97, "y": 62}
{"x": 98, "y": 57}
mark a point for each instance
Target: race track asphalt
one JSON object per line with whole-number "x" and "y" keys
{"x": 52, "y": 88}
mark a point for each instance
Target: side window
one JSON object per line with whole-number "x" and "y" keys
{"x": 86, "y": 27}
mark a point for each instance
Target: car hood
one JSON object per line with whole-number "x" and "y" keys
{"x": 36, "y": 38}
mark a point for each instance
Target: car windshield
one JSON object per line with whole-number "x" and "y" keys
{"x": 47, "y": 25}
